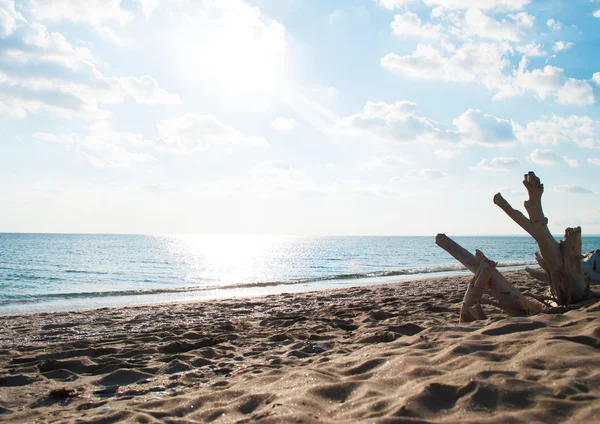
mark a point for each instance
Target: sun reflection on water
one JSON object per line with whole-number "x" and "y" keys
{"x": 230, "y": 259}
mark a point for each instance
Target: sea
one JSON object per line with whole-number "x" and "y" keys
{"x": 59, "y": 272}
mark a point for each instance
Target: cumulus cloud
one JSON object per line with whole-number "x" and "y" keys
{"x": 103, "y": 147}
{"x": 498, "y": 164}
{"x": 557, "y": 129}
{"x": 559, "y": 46}
{"x": 596, "y": 78}
{"x": 148, "y": 7}
{"x": 481, "y": 25}
{"x": 478, "y": 4}
{"x": 572, "y": 163}
{"x": 106, "y": 148}
{"x": 472, "y": 62}
{"x": 200, "y": 132}
{"x": 393, "y": 4}
{"x": 596, "y": 14}
{"x": 487, "y": 63}
{"x": 398, "y": 123}
{"x": 549, "y": 82}
{"x": 409, "y": 24}
{"x": 553, "y": 24}
{"x": 476, "y": 127}
{"x": 284, "y": 125}
{"x": 102, "y": 15}
{"x": 42, "y": 71}
{"x": 544, "y": 158}
{"x": 594, "y": 161}
{"x": 568, "y": 188}
{"x": 532, "y": 49}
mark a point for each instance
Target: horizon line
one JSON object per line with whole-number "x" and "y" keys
{"x": 274, "y": 234}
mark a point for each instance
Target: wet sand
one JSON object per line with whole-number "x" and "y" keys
{"x": 387, "y": 353}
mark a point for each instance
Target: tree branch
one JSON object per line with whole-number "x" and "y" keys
{"x": 514, "y": 214}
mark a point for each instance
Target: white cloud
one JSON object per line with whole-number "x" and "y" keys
{"x": 284, "y": 125}
{"x": 544, "y": 158}
{"x": 398, "y": 123}
{"x": 596, "y": 78}
{"x": 568, "y": 188}
{"x": 557, "y": 129}
{"x": 596, "y": 14}
{"x": 385, "y": 162}
{"x": 43, "y": 71}
{"x": 445, "y": 154}
{"x": 199, "y": 132}
{"x": 559, "y": 46}
{"x": 498, "y": 164}
{"x": 394, "y": 122}
{"x": 100, "y": 14}
{"x": 425, "y": 174}
{"x": 95, "y": 12}
{"x": 148, "y": 7}
{"x": 476, "y": 127}
{"x": 575, "y": 92}
{"x": 393, "y": 4}
{"x": 524, "y": 19}
{"x": 487, "y": 63}
{"x": 472, "y": 62}
{"x": 594, "y": 161}
{"x": 9, "y": 18}
{"x": 481, "y": 25}
{"x": 549, "y": 82}
{"x": 104, "y": 147}
{"x": 572, "y": 163}
{"x": 553, "y": 24}
{"x": 478, "y": 4}
{"x": 410, "y": 24}
{"x": 532, "y": 49}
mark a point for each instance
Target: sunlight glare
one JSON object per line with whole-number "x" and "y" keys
{"x": 240, "y": 54}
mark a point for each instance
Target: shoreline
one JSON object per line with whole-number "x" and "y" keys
{"x": 239, "y": 291}
{"x": 390, "y": 352}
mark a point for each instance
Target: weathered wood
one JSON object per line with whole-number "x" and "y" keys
{"x": 479, "y": 282}
{"x": 591, "y": 266}
{"x": 560, "y": 262}
{"x": 508, "y": 297}
{"x": 539, "y": 274}
{"x": 477, "y": 312}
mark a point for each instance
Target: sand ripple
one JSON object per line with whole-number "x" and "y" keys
{"x": 391, "y": 353}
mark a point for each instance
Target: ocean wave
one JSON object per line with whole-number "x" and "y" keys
{"x": 250, "y": 285}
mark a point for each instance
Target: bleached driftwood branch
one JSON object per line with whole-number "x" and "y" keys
{"x": 487, "y": 281}
{"x": 560, "y": 262}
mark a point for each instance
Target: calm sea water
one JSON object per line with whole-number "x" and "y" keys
{"x": 50, "y": 272}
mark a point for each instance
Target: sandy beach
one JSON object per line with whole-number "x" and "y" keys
{"x": 386, "y": 353}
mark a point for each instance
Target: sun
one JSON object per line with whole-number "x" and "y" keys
{"x": 233, "y": 50}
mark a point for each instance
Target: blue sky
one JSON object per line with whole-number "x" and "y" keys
{"x": 391, "y": 117}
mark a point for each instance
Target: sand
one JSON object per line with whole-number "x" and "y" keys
{"x": 388, "y": 353}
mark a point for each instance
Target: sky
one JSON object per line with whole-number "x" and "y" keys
{"x": 328, "y": 117}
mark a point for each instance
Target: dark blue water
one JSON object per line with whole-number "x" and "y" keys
{"x": 45, "y": 272}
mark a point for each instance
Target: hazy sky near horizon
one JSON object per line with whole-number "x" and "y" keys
{"x": 379, "y": 117}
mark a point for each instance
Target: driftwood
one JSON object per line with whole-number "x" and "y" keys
{"x": 591, "y": 266}
{"x": 561, "y": 265}
{"x": 560, "y": 262}
{"x": 488, "y": 286}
